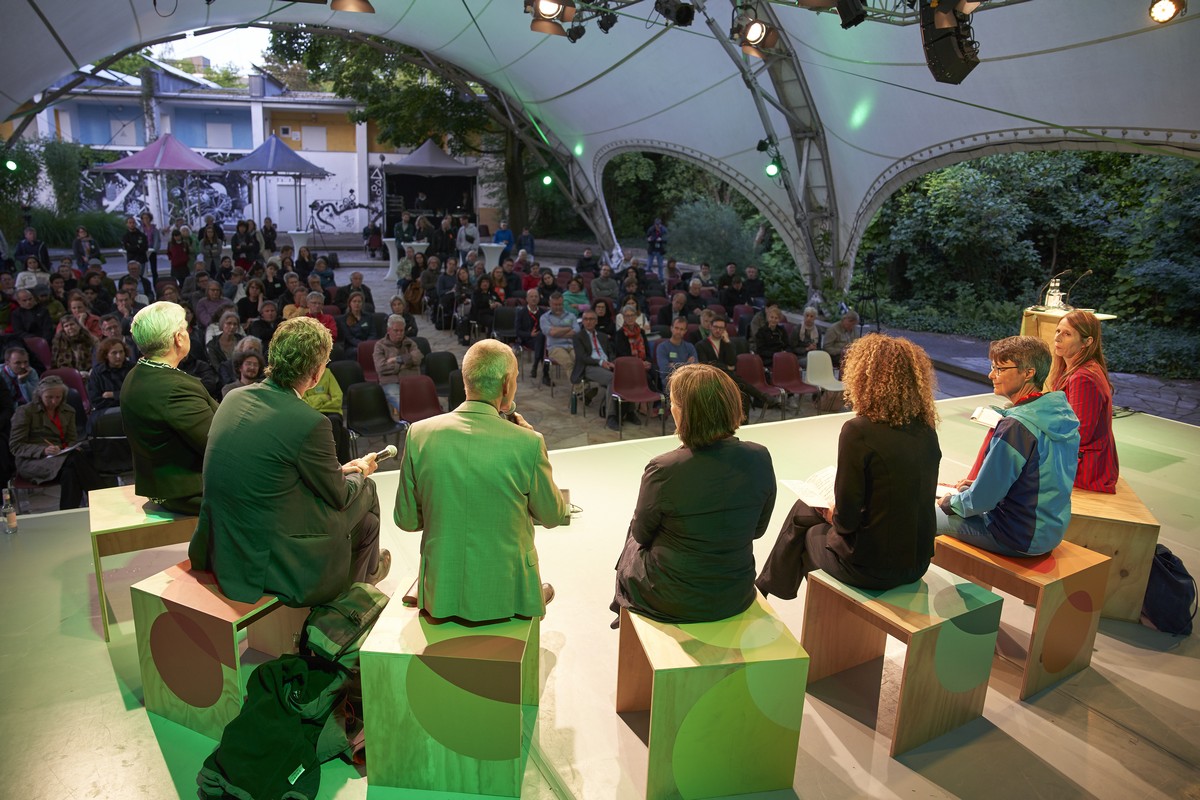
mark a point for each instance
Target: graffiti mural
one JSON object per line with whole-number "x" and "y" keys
{"x": 193, "y": 197}
{"x": 332, "y": 213}
{"x": 375, "y": 195}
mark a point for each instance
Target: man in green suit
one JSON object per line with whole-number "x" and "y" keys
{"x": 474, "y": 482}
{"x": 166, "y": 412}
{"x": 280, "y": 515}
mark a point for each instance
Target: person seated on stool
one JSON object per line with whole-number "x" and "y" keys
{"x": 166, "y": 412}
{"x": 689, "y": 552}
{"x": 478, "y": 562}
{"x": 280, "y": 515}
{"x": 41, "y": 430}
{"x": 1078, "y": 370}
{"x": 1020, "y": 502}
{"x": 879, "y": 533}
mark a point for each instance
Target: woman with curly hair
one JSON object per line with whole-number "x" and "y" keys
{"x": 1079, "y": 369}
{"x": 879, "y": 533}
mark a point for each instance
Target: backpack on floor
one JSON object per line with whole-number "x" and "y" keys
{"x": 1170, "y": 603}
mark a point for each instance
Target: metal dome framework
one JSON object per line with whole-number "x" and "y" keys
{"x": 854, "y": 113}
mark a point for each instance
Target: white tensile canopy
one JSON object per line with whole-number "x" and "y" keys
{"x": 856, "y": 112}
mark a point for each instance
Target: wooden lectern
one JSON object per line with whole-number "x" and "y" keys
{"x": 1040, "y": 321}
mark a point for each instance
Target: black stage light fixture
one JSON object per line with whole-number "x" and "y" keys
{"x": 951, "y": 51}
{"x": 1166, "y": 10}
{"x": 575, "y": 33}
{"x": 548, "y": 16}
{"x": 852, "y": 12}
{"x": 606, "y": 20}
{"x": 751, "y": 33}
{"x": 674, "y": 11}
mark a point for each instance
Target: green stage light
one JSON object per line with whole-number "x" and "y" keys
{"x": 772, "y": 169}
{"x": 547, "y": 180}
{"x": 10, "y": 165}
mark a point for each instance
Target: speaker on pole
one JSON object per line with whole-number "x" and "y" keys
{"x": 951, "y": 51}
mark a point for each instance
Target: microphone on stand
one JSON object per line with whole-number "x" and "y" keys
{"x": 1037, "y": 303}
{"x": 1067, "y": 296}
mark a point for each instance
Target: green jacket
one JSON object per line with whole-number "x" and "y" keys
{"x": 277, "y": 512}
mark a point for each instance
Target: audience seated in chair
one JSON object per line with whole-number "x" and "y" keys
{"x": 395, "y": 355}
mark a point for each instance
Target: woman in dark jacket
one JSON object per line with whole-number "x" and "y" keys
{"x": 246, "y": 246}
{"x": 106, "y": 378}
{"x": 771, "y": 338}
{"x": 484, "y": 303}
{"x": 879, "y": 532}
{"x": 41, "y": 430}
{"x": 264, "y": 327}
{"x": 689, "y": 554}
{"x": 355, "y": 326}
{"x": 72, "y": 346}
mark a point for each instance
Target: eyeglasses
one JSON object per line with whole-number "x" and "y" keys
{"x": 999, "y": 370}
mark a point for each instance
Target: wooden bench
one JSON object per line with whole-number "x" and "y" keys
{"x": 1122, "y": 528}
{"x": 949, "y": 626}
{"x": 725, "y": 701}
{"x": 188, "y": 648}
{"x": 122, "y": 522}
{"x": 449, "y": 706}
{"x": 1066, "y": 589}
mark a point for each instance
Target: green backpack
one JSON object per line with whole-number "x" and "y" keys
{"x": 335, "y": 630}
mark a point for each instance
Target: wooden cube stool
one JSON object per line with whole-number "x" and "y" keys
{"x": 1122, "y": 528}
{"x": 949, "y": 625}
{"x": 188, "y": 650}
{"x": 725, "y": 701}
{"x": 122, "y": 522}
{"x": 1066, "y": 588}
{"x": 449, "y": 706}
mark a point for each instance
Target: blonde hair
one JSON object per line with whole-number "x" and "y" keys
{"x": 890, "y": 381}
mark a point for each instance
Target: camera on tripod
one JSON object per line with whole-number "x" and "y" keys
{"x": 314, "y": 205}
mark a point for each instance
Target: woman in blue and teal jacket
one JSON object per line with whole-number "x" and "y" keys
{"x": 1020, "y": 502}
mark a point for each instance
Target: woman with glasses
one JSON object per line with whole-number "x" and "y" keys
{"x": 1020, "y": 502}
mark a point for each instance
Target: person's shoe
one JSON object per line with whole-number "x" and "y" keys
{"x": 633, "y": 418}
{"x": 382, "y": 568}
{"x": 590, "y": 395}
{"x": 547, "y": 593}
{"x": 545, "y": 378}
{"x": 615, "y": 624}
{"x": 612, "y": 424}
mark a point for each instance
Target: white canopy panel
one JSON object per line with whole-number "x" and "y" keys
{"x": 1054, "y": 73}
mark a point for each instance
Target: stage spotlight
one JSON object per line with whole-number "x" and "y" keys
{"x": 549, "y": 15}
{"x": 10, "y": 165}
{"x": 674, "y": 11}
{"x": 547, "y": 180}
{"x": 852, "y": 12}
{"x": 606, "y": 20}
{"x": 753, "y": 34}
{"x": 358, "y": 6}
{"x": 772, "y": 169}
{"x": 575, "y": 33}
{"x": 1166, "y": 10}
{"x": 764, "y": 145}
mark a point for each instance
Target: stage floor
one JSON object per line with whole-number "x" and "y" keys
{"x": 1127, "y": 727}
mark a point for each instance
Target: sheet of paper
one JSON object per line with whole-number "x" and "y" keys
{"x": 817, "y": 489}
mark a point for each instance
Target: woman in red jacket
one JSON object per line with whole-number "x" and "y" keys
{"x": 1080, "y": 371}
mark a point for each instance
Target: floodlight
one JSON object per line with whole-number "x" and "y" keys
{"x": 674, "y": 11}
{"x": 575, "y": 33}
{"x": 852, "y": 12}
{"x": 1166, "y": 10}
{"x": 357, "y": 6}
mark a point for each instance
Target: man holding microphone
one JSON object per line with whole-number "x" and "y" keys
{"x": 280, "y": 515}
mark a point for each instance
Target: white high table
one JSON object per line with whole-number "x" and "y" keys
{"x": 492, "y": 252}
{"x": 299, "y": 239}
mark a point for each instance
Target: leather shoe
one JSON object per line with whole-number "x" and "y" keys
{"x": 612, "y": 424}
{"x": 382, "y": 568}
{"x": 547, "y": 593}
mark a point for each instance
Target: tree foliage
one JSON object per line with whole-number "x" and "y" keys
{"x": 63, "y": 162}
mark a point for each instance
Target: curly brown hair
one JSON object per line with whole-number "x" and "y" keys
{"x": 890, "y": 380}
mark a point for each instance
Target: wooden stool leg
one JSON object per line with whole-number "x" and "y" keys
{"x": 635, "y": 678}
{"x": 1064, "y": 628}
{"x": 927, "y": 707}
{"x": 835, "y": 638}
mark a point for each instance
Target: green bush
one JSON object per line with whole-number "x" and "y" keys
{"x": 1163, "y": 352}
{"x": 705, "y": 230}
{"x": 58, "y": 230}
{"x": 63, "y": 162}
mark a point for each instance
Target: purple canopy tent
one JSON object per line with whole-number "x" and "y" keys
{"x": 164, "y": 154}
{"x": 274, "y": 157}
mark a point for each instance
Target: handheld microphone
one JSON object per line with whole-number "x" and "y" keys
{"x": 383, "y": 455}
{"x": 1067, "y": 296}
{"x": 1037, "y": 303}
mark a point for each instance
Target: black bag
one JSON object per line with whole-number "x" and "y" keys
{"x": 1170, "y": 603}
